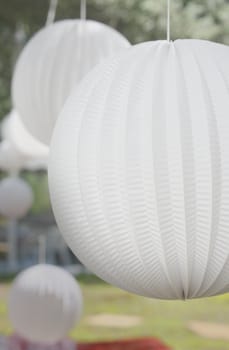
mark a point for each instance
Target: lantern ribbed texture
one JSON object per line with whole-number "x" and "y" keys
{"x": 45, "y": 303}
{"x": 52, "y": 63}
{"x": 139, "y": 170}
{"x": 16, "y": 197}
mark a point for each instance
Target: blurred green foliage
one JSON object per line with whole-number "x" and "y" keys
{"x": 39, "y": 183}
{"x": 166, "y": 320}
{"x": 138, "y": 20}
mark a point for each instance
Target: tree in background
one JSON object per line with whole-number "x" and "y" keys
{"x": 138, "y": 20}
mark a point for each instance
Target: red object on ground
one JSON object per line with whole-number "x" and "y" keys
{"x": 133, "y": 344}
{"x": 16, "y": 343}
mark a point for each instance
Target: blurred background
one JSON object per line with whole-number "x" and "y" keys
{"x": 109, "y": 312}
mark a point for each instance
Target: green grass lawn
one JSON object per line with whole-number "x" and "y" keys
{"x": 164, "y": 319}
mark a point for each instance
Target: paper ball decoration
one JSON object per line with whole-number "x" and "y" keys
{"x": 14, "y": 131}
{"x": 53, "y": 61}
{"x": 37, "y": 164}
{"x": 16, "y": 197}
{"x": 44, "y": 304}
{"x": 11, "y": 159}
{"x": 139, "y": 170}
{"x": 15, "y": 342}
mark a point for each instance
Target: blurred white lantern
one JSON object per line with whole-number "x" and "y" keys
{"x": 16, "y": 197}
{"x": 11, "y": 159}
{"x": 53, "y": 61}
{"x": 37, "y": 164}
{"x": 15, "y": 342}
{"x": 139, "y": 170}
{"x": 14, "y": 131}
{"x": 45, "y": 302}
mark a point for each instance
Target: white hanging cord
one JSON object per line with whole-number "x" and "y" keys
{"x": 83, "y": 9}
{"x": 51, "y": 12}
{"x": 168, "y": 20}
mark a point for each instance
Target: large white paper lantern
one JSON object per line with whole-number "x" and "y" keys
{"x": 53, "y": 61}
{"x": 16, "y": 197}
{"x": 11, "y": 159}
{"x": 44, "y": 304}
{"x": 14, "y": 131}
{"x": 139, "y": 170}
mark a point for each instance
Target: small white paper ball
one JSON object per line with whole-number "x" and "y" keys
{"x": 11, "y": 159}
{"x": 54, "y": 61}
{"x": 16, "y": 197}
{"x": 14, "y": 131}
{"x": 45, "y": 303}
{"x": 139, "y": 170}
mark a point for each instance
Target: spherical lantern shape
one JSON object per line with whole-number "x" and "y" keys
{"x": 14, "y": 131}
{"x": 139, "y": 170}
{"x": 11, "y": 159}
{"x": 16, "y": 197}
{"x": 45, "y": 302}
{"x": 53, "y": 61}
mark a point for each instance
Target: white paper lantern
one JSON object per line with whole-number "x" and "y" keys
{"x": 16, "y": 197}
{"x": 139, "y": 170}
{"x": 37, "y": 164}
{"x": 14, "y": 131}
{"x": 11, "y": 159}
{"x": 53, "y": 61}
{"x": 45, "y": 302}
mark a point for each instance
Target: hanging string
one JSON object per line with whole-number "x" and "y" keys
{"x": 83, "y": 9}
{"x": 51, "y": 12}
{"x": 168, "y": 20}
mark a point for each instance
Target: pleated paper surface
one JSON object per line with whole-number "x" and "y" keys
{"x": 52, "y": 63}
{"x": 139, "y": 170}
